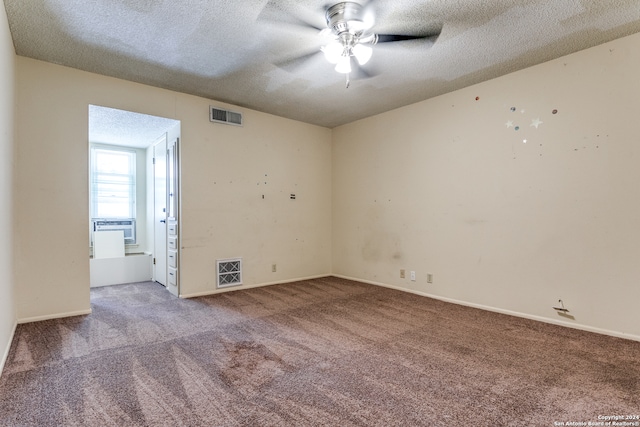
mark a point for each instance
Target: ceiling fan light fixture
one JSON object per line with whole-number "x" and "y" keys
{"x": 333, "y": 51}
{"x": 344, "y": 64}
{"x": 362, "y": 53}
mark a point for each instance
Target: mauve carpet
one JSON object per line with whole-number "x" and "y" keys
{"x": 313, "y": 353}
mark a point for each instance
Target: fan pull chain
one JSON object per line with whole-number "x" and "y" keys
{"x": 348, "y": 81}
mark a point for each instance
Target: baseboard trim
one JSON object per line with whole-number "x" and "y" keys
{"x": 257, "y": 285}
{"x": 54, "y": 316}
{"x": 5, "y": 354}
{"x": 578, "y": 326}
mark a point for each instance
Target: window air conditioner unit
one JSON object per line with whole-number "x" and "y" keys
{"x": 128, "y": 226}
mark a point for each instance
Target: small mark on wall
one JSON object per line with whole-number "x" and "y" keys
{"x": 474, "y": 221}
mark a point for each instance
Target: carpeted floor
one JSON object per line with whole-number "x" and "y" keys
{"x": 321, "y": 352}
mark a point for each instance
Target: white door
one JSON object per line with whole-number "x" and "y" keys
{"x": 160, "y": 212}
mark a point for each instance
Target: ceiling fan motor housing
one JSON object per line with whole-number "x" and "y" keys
{"x": 345, "y": 17}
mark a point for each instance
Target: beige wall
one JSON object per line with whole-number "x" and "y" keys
{"x": 7, "y": 64}
{"x": 445, "y": 187}
{"x": 224, "y": 170}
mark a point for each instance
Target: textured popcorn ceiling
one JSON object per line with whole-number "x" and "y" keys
{"x": 125, "y": 128}
{"x": 239, "y": 51}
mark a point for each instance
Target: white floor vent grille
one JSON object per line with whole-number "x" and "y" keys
{"x": 218, "y": 115}
{"x": 229, "y": 272}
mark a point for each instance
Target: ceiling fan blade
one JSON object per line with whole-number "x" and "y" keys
{"x": 369, "y": 6}
{"x": 387, "y": 38}
{"x": 359, "y": 72}
{"x": 293, "y": 64}
{"x": 273, "y": 13}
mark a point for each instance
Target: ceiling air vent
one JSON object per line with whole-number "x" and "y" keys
{"x": 218, "y": 115}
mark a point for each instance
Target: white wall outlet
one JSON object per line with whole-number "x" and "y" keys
{"x": 413, "y": 276}
{"x": 429, "y": 278}
{"x": 402, "y": 273}
{"x": 273, "y": 268}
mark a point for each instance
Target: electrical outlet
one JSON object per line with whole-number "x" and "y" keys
{"x": 402, "y": 273}
{"x": 413, "y": 276}
{"x": 429, "y": 278}
{"x": 273, "y": 268}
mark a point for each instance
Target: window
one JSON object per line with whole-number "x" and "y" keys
{"x": 113, "y": 183}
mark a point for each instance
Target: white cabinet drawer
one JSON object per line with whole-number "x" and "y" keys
{"x": 172, "y": 229}
{"x": 172, "y": 259}
{"x": 173, "y": 277}
{"x": 173, "y": 243}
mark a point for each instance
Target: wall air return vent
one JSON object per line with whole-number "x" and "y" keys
{"x": 217, "y": 115}
{"x": 229, "y": 272}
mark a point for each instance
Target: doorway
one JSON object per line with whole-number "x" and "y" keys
{"x": 153, "y": 197}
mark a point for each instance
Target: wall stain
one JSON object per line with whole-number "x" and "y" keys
{"x": 381, "y": 245}
{"x": 475, "y": 221}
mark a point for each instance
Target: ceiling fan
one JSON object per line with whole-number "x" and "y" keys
{"x": 349, "y": 28}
